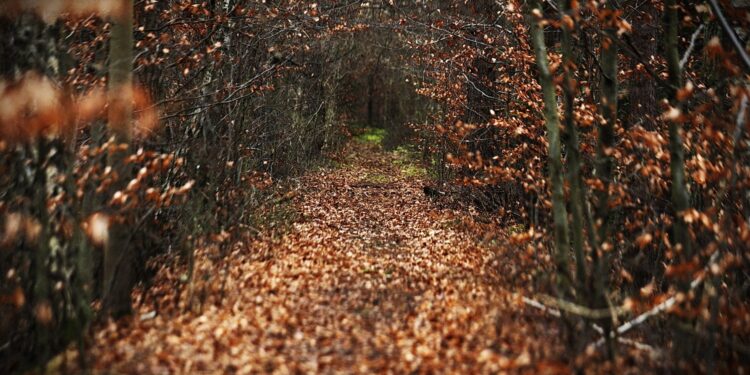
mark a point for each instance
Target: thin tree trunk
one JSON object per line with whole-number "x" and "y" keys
{"x": 42, "y": 298}
{"x": 608, "y": 108}
{"x": 117, "y": 255}
{"x": 552, "y": 121}
{"x": 121, "y": 74}
{"x": 604, "y": 166}
{"x": 570, "y": 136}
{"x": 683, "y": 345}
{"x": 680, "y": 197}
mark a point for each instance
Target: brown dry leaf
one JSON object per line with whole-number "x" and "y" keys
{"x": 369, "y": 279}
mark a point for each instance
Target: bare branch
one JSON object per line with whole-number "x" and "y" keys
{"x": 732, "y": 35}
{"x": 691, "y": 47}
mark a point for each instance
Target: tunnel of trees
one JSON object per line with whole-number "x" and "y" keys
{"x": 603, "y": 145}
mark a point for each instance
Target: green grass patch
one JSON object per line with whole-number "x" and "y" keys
{"x": 516, "y": 229}
{"x": 407, "y": 160}
{"x": 376, "y": 178}
{"x": 414, "y": 171}
{"x": 372, "y": 136}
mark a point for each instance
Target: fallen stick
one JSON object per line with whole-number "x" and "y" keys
{"x": 658, "y": 309}
{"x": 556, "y": 313}
{"x": 583, "y": 311}
{"x": 541, "y": 306}
{"x": 624, "y": 328}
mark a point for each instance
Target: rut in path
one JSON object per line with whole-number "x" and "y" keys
{"x": 373, "y": 276}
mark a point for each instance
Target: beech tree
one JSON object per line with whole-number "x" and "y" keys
{"x": 118, "y": 251}
{"x": 552, "y": 122}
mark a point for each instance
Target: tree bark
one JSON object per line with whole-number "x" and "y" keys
{"x": 570, "y": 136}
{"x": 680, "y": 197}
{"x": 608, "y": 109}
{"x": 604, "y": 164}
{"x": 118, "y": 257}
{"x": 552, "y": 122}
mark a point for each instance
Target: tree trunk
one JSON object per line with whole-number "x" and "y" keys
{"x": 570, "y": 136}
{"x": 118, "y": 257}
{"x": 608, "y": 108}
{"x": 604, "y": 165}
{"x": 680, "y": 197}
{"x": 552, "y": 121}
{"x": 683, "y": 345}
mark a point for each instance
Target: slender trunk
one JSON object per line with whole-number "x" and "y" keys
{"x": 552, "y": 121}
{"x": 329, "y": 98}
{"x": 117, "y": 255}
{"x": 204, "y": 121}
{"x": 608, "y": 108}
{"x": 42, "y": 296}
{"x": 570, "y": 136}
{"x": 371, "y": 101}
{"x": 604, "y": 166}
{"x": 680, "y": 197}
{"x": 683, "y": 345}
{"x": 121, "y": 74}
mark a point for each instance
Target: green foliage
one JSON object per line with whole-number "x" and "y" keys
{"x": 372, "y": 136}
{"x": 515, "y": 229}
{"x": 414, "y": 171}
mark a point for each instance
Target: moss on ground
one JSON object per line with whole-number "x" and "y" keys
{"x": 373, "y": 136}
{"x": 407, "y": 160}
{"x": 376, "y": 178}
{"x": 516, "y": 229}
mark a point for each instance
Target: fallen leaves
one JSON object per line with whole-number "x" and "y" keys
{"x": 370, "y": 279}
{"x": 643, "y": 240}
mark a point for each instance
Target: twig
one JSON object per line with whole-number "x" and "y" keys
{"x": 660, "y": 308}
{"x": 655, "y": 352}
{"x": 691, "y": 47}
{"x": 480, "y": 90}
{"x": 541, "y": 306}
{"x": 740, "y": 125}
{"x": 583, "y": 311}
{"x": 630, "y": 49}
{"x": 740, "y": 120}
{"x": 732, "y": 35}
{"x": 556, "y": 313}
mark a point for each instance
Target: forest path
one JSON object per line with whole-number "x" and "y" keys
{"x": 372, "y": 277}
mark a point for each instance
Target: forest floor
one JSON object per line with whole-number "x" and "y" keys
{"x": 371, "y": 276}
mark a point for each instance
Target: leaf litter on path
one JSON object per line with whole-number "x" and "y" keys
{"x": 368, "y": 279}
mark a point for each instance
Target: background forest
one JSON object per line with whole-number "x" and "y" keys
{"x": 600, "y": 149}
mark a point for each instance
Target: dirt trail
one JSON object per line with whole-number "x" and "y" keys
{"x": 372, "y": 277}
